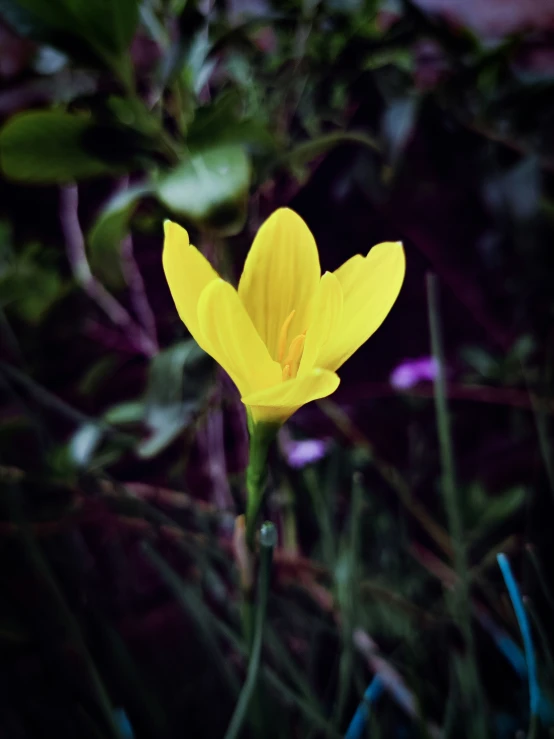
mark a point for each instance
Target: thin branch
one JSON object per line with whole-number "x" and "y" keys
{"x": 135, "y": 282}
{"x": 137, "y": 289}
{"x": 76, "y": 254}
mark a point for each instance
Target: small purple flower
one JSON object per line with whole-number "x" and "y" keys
{"x": 412, "y": 371}
{"x": 299, "y": 453}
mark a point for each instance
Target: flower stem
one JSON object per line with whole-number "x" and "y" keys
{"x": 261, "y": 437}
{"x": 268, "y": 538}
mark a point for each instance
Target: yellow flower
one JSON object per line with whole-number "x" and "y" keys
{"x": 285, "y": 331}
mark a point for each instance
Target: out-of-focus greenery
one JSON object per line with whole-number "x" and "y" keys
{"x": 122, "y": 448}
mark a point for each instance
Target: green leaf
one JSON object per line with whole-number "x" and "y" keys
{"x": 221, "y": 121}
{"x": 500, "y": 508}
{"x": 210, "y": 189}
{"x": 485, "y": 512}
{"x": 84, "y": 443}
{"x": 108, "y": 231}
{"x": 29, "y": 284}
{"x": 124, "y": 413}
{"x": 177, "y": 383}
{"x": 176, "y": 386}
{"x": 97, "y": 374}
{"x": 398, "y": 57}
{"x": 86, "y": 29}
{"x": 307, "y": 151}
{"x": 49, "y": 147}
{"x": 480, "y": 360}
{"x": 132, "y": 112}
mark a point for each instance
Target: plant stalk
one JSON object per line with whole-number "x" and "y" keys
{"x": 460, "y": 601}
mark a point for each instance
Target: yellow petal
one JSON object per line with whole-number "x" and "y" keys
{"x": 232, "y": 340}
{"x": 187, "y": 273}
{"x": 280, "y": 275}
{"x": 327, "y": 314}
{"x": 277, "y": 403}
{"x": 346, "y": 273}
{"x": 370, "y": 286}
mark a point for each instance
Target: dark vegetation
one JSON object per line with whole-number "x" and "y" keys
{"x": 123, "y": 449}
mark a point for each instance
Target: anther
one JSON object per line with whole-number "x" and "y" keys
{"x": 284, "y": 334}
{"x": 295, "y": 353}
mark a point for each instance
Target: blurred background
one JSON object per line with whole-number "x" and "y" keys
{"x": 123, "y": 447}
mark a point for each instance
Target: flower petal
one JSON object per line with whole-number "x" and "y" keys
{"x": 327, "y": 314}
{"x": 347, "y": 272}
{"x": 370, "y": 286}
{"x": 187, "y": 273}
{"x": 281, "y": 274}
{"x": 276, "y": 404}
{"x": 232, "y": 340}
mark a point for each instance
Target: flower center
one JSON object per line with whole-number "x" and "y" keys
{"x": 290, "y": 361}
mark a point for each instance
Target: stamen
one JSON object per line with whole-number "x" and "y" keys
{"x": 283, "y": 335}
{"x": 286, "y": 372}
{"x": 295, "y": 353}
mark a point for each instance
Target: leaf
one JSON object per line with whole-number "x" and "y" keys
{"x": 500, "y": 508}
{"x": 124, "y": 413}
{"x": 480, "y": 360}
{"x": 97, "y": 373}
{"x": 176, "y": 388}
{"x": 29, "y": 285}
{"x": 86, "y": 29}
{"x": 398, "y": 123}
{"x": 398, "y": 57}
{"x": 48, "y": 147}
{"x": 210, "y": 188}
{"x": 170, "y": 401}
{"x": 198, "y": 67}
{"x": 307, "y": 151}
{"x": 493, "y": 511}
{"x": 112, "y": 24}
{"x": 483, "y": 512}
{"x": 516, "y": 192}
{"x": 132, "y": 112}
{"x": 522, "y": 349}
{"x": 221, "y": 121}
{"x": 84, "y": 443}
{"x": 108, "y": 231}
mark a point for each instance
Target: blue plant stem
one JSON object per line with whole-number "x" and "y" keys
{"x": 524, "y": 627}
{"x": 361, "y": 717}
{"x": 460, "y": 603}
{"x": 268, "y": 539}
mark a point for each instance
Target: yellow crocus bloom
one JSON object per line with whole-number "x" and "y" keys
{"x": 287, "y": 328}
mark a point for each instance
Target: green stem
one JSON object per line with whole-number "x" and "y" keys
{"x": 261, "y": 437}
{"x": 460, "y": 602}
{"x": 268, "y": 539}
